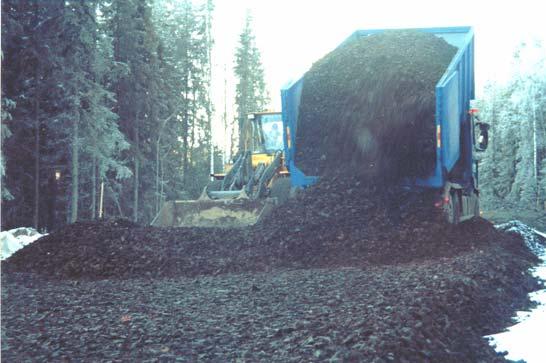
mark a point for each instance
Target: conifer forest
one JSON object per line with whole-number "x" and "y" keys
{"x": 111, "y": 100}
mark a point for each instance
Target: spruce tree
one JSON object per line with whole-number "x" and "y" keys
{"x": 136, "y": 46}
{"x": 30, "y": 32}
{"x": 250, "y": 92}
{"x": 7, "y": 104}
{"x": 106, "y": 93}
{"x": 186, "y": 137}
{"x": 63, "y": 124}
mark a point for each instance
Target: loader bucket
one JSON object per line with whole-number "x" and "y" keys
{"x": 226, "y": 213}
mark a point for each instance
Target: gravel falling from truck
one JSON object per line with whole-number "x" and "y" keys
{"x": 368, "y": 107}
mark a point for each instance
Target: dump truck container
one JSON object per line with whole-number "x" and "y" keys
{"x": 454, "y": 120}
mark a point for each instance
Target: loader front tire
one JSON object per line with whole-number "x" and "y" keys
{"x": 280, "y": 190}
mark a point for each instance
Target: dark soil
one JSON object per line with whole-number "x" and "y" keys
{"x": 368, "y": 106}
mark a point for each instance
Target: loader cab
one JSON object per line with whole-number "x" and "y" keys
{"x": 271, "y": 128}
{"x": 267, "y": 134}
{"x": 265, "y": 137}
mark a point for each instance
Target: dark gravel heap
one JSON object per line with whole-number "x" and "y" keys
{"x": 406, "y": 291}
{"x": 351, "y": 227}
{"x": 434, "y": 311}
{"x": 368, "y": 106}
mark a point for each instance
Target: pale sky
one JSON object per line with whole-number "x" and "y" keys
{"x": 291, "y": 35}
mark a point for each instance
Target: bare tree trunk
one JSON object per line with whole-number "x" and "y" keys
{"x": 185, "y": 156}
{"x": 227, "y": 137}
{"x": 161, "y": 191}
{"x": 36, "y": 164}
{"x": 535, "y": 154}
{"x": 101, "y": 200}
{"x": 186, "y": 125}
{"x": 157, "y": 166}
{"x": 135, "y": 190}
{"x": 37, "y": 140}
{"x": 157, "y": 205}
{"x": 75, "y": 169}
{"x": 541, "y": 135}
{"x": 193, "y": 127}
{"x": 94, "y": 188}
{"x": 234, "y": 130}
{"x": 209, "y": 79}
{"x": 185, "y": 137}
{"x": 137, "y": 172}
{"x": 115, "y": 199}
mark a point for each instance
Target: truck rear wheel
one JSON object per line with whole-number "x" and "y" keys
{"x": 476, "y": 206}
{"x": 452, "y": 209}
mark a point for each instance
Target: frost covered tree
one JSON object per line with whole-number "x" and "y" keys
{"x": 7, "y": 104}
{"x": 138, "y": 99}
{"x": 94, "y": 139}
{"x": 513, "y": 168}
{"x": 250, "y": 91}
{"x": 184, "y": 151}
{"x": 31, "y": 54}
{"x": 107, "y": 93}
{"x": 54, "y": 72}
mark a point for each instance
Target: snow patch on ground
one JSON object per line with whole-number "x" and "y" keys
{"x": 533, "y": 239}
{"x": 524, "y": 341}
{"x": 540, "y": 233}
{"x": 15, "y": 239}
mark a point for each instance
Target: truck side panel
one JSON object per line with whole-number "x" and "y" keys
{"x": 290, "y": 99}
{"x": 450, "y": 122}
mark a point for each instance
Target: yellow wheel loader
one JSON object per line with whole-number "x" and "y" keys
{"x": 250, "y": 188}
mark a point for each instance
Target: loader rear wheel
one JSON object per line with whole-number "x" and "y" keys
{"x": 214, "y": 185}
{"x": 280, "y": 190}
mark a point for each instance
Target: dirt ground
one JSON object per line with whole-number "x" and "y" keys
{"x": 204, "y": 304}
{"x": 336, "y": 274}
{"x": 427, "y": 312}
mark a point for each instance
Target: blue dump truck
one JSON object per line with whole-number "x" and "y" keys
{"x": 460, "y": 135}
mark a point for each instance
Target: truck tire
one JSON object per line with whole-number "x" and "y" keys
{"x": 476, "y": 206}
{"x": 280, "y": 190}
{"x": 452, "y": 209}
